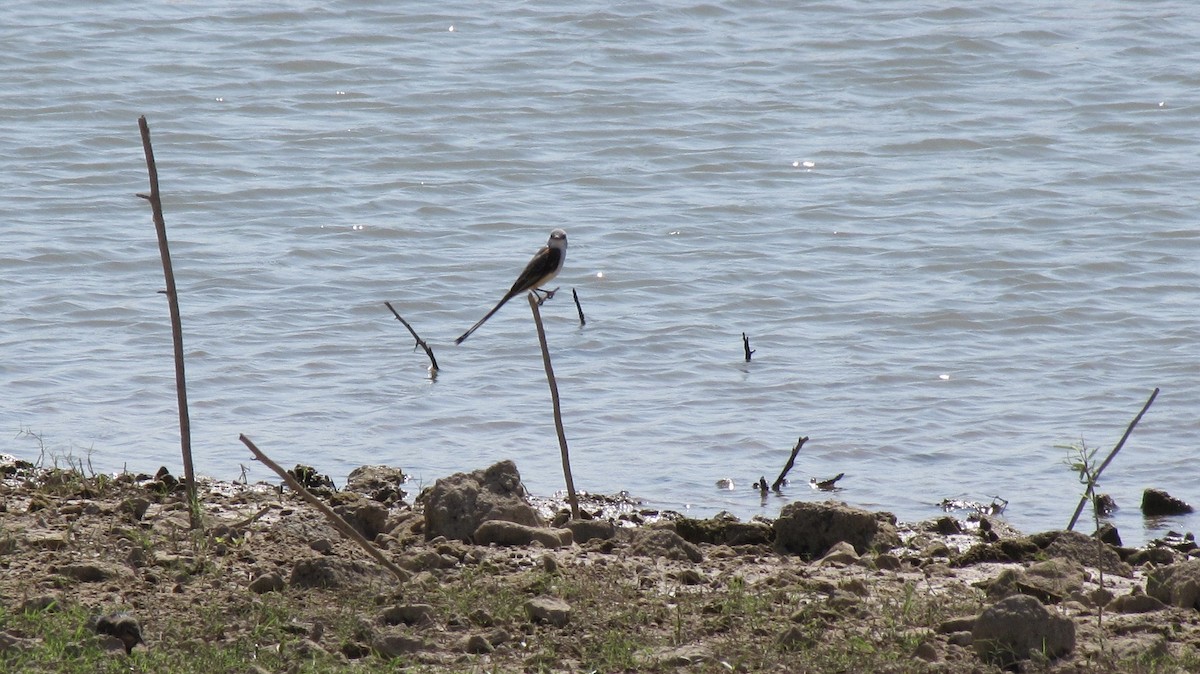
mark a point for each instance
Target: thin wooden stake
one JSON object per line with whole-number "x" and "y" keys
{"x": 746, "y": 346}
{"x": 558, "y": 424}
{"x": 338, "y": 523}
{"x": 420, "y": 342}
{"x": 185, "y": 426}
{"x": 1096, "y": 478}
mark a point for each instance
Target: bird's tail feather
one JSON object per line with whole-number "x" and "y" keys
{"x": 483, "y": 320}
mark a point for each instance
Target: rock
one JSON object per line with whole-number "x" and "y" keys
{"x": 123, "y": 627}
{"x": 660, "y": 542}
{"x": 548, "y": 610}
{"x": 961, "y": 624}
{"x": 1177, "y": 584}
{"x": 926, "y": 651}
{"x": 267, "y": 582}
{"x": 367, "y": 517}
{"x": 135, "y": 507}
{"x": 43, "y": 602}
{"x": 481, "y": 617}
{"x": 1056, "y": 577}
{"x": 89, "y": 573}
{"x": 49, "y": 540}
{"x": 395, "y": 644}
{"x": 1006, "y": 632}
{"x": 1108, "y": 533}
{"x": 725, "y": 530}
{"x": 12, "y": 643}
{"x": 330, "y": 572}
{"x": 1136, "y": 602}
{"x": 586, "y": 530}
{"x": 409, "y": 614}
{"x": 1158, "y": 503}
{"x": 809, "y": 529}
{"x": 793, "y": 638}
{"x": 1085, "y": 550}
{"x": 948, "y": 526}
{"x": 1020, "y": 549}
{"x": 1157, "y": 556}
{"x": 840, "y": 554}
{"x": 477, "y": 644}
{"x": 378, "y": 483}
{"x": 887, "y": 562}
{"x": 511, "y": 533}
{"x": 679, "y": 656}
{"x": 936, "y": 549}
{"x": 455, "y": 506}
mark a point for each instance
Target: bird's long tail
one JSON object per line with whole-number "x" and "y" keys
{"x": 483, "y": 320}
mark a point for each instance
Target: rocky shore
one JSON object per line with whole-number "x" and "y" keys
{"x": 103, "y": 573}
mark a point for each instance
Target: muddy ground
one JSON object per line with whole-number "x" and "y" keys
{"x": 270, "y": 581}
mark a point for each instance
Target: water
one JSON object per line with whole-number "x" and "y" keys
{"x": 956, "y": 235}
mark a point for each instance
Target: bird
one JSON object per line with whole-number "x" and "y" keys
{"x": 545, "y": 265}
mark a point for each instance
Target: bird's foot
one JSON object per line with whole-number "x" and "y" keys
{"x": 544, "y": 295}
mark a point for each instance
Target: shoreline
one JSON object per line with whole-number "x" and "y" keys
{"x": 608, "y": 593}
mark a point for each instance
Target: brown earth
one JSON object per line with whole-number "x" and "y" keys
{"x": 270, "y": 578}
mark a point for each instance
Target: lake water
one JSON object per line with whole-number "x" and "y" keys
{"x": 956, "y": 235}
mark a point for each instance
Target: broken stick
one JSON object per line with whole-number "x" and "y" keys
{"x": 338, "y": 523}
{"x": 420, "y": 342}
{"x": 790, "y": 462}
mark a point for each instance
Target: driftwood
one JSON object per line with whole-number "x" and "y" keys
{"x": 1089, "y": 493}
{"x": 338, "y": 523}
{"x": 420, "y": 342}
{"x": 185, "y": 426}
{"x": 746, "y": 346}
{"x": 790, "y": 462}
{"x": 579, "y": 308}
{"x": 558, "y": 424}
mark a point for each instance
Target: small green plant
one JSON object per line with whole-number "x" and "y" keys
{"x": 1081, "y": 459}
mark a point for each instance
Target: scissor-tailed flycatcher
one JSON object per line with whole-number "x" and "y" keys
{"x": 545, "y": 265}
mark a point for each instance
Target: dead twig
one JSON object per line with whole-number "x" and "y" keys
{"x": 790, "y": 462}
{"x": 746, "y": 346}
{"x": 579, "y": 308}
{"x": 558, "y": 424}
{"x": 420, "y": 342}
{"x": 338, "y": 523}
{"x": 185, "y": 426}
{"x": 1089, "y": 492}
{"x": 761, "y": 485}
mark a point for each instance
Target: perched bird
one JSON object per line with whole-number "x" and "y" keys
{"x": 545, "y": 265}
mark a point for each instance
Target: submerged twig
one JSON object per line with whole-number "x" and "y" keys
{"x": 420, "y": 342}
{"x": 579, "y": 308}
{"x": 790, "y": 462}
{"x": 746, "y": 346}
{"x": 1091, "y": 485}
{"x": 338, "y": 523}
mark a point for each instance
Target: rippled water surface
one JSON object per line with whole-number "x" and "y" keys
{"x": 956, "y": 236}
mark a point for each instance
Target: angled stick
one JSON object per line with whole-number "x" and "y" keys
{"x": 420, "y": 342}
{"x": 1096, "y": 478}
{"x": 185, "y": 426}
{"x": 338, "y": 523}
{"x": 558, "y": 424}
{"x": 790, "y": 462}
